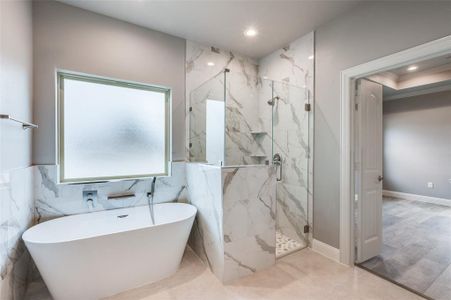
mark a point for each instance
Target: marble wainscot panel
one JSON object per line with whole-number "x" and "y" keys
{"x": 249, "y": 205}
{"x": 205, "y": 80}
{"x": 235, "y": 228}
{"x": 55, "y": 200}
{"x": 205, "y": 192}
{"x": 16, "y": 215}
{"x": 290, "y": 71}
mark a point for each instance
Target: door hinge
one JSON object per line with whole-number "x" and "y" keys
{"x": 306, "y": 229}
{"x": 356, "y": 94}
{"x": 308, "y": 107}
{"x": 190, "y": 108}
{"x": 190, "y": 145}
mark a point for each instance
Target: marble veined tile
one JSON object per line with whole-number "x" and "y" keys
{"x": 205, "y": 192}
{"x": 55, "y": 200}
{"x": 292, "y": 69}
{"x": 239, "y": 91}
{"x": 16, "y": 215}
{"x": 234, "y": 231}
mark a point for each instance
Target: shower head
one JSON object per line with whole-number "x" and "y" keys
{"x": 272, "y": 101}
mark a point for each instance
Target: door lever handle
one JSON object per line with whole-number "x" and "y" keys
{"x": 380, "y": 178}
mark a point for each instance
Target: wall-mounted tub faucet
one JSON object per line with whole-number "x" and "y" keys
{"x": 90, "y": 197}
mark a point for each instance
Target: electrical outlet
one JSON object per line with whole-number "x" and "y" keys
{"x": 430, "y": 185}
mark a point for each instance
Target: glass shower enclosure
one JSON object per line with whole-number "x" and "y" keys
{"x": 237, "y": 120}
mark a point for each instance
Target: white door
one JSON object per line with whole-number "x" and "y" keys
{"x": 369, "y": 137}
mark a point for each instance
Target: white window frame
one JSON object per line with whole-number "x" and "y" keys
{"x": 63, "y": 74}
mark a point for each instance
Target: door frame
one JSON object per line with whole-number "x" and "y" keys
{"x": 348, "y": 79}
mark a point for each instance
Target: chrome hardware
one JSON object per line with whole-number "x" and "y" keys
{"x": 25, "y": 125}
{"x": 90, "y": 198}
{"x": 277, "y": 160}
{"x": 272, "y": 101}
{"x": 150, "y": 196}
{"x": 380, "y": 178}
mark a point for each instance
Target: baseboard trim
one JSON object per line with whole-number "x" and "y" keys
{"x": 413, "y": 197}
{"x": 326, "y": 250}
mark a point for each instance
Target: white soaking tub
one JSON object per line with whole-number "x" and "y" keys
{"x": 94, "y": 255}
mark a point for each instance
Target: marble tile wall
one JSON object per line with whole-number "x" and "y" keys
{"x": 205, "y": 192}
{"x": 32, "y": 195}
{"x": 287, "y": 73}
{"x": 234, "y": 232}
{"x": 291, "y": 70}
{"x": 55, "y": 200}
{"x": 249, "y": 204}
{"x": 204, "y": 81}
{"x": 16, "y": 215}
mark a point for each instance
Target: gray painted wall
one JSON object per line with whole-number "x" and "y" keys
{"x": 74, "y": 39}
{"x": 370, "y": 31}
{"x": 417, "y": 145}
{"x": 16, "y": 84}
{"x": 16, "y": 91}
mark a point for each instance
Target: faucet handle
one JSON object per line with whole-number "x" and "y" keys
{"x": 90, "y": 197}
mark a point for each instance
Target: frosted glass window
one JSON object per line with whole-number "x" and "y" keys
{"x": 111, "y": 130}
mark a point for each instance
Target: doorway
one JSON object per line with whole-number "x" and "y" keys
{"x": 362, "y": 229}
{"x": 403, "y": 208}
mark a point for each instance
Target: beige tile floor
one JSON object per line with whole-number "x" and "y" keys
{"x": 301, "y": 275}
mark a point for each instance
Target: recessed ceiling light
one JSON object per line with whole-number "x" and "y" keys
{"x": 250, "y": 32}
{"x": 311, "y": 57}
{"x": 412, "y": 68}
{"x": 210, "y": 64}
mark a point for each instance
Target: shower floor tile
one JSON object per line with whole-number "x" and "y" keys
{"x": 286, "y": 245}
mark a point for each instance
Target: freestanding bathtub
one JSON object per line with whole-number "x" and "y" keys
{"x": 94, "y": 255}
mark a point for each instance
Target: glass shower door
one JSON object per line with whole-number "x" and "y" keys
{"x": 290, "y": 144}
{"x": 207, "y": 122}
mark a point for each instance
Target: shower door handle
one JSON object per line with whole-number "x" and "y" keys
{"x": 277, "y": 160}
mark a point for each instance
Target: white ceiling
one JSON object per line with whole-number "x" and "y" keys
{"x": 221, "y": 23}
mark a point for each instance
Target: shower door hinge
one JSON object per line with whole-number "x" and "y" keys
{"x": 308, "y": 107}
{"x": 190, "y": 108}
{"x": 306, "y": 229}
